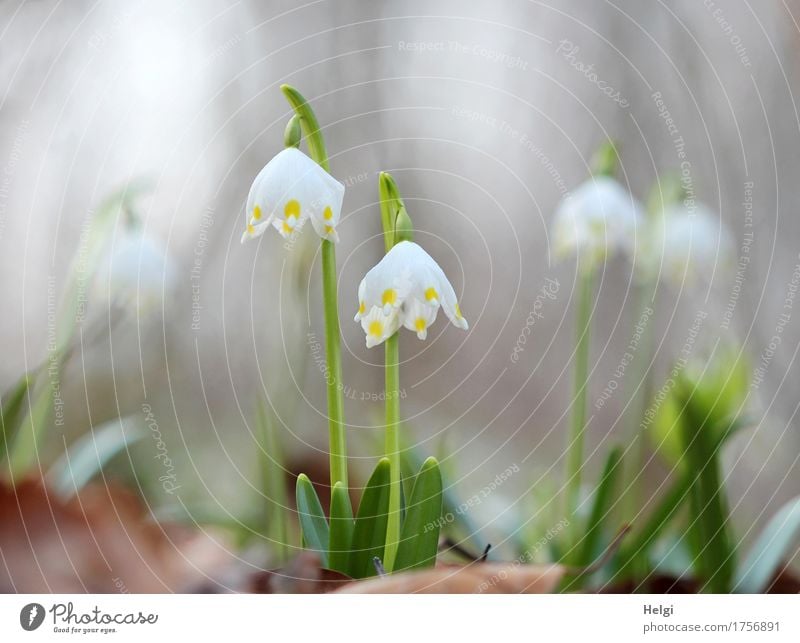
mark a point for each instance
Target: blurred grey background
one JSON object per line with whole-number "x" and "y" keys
{"x": 487, "y": 115}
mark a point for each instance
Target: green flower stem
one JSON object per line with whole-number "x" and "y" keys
{"x": 639, "y": 386}
{"x": 576, "y": 437}
{"x": 333, "y": 353}
{"x": 392, "y": 212}
{"x": 392, "y": 448}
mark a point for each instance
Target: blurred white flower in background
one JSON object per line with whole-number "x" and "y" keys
{"x": 600, "y": 218}
{"x": 684, "y": 245}
{"x": 289, "y": 190}
{"x": 134, "y": 272}
{"x": 406, "y": 288}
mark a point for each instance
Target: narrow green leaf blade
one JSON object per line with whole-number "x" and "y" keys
{"x": 273, "y": 483}
{"x": 664, "y": 513}
{"x": 601, "y": 507}
{"x": 419, "y": 537}
{"x": 11, "y": 412}
{"x": 312, "y": 518}
{"x": 709, "y": 528}
{"x": 772, "y": 548}
{"x": 369, "y": 533}
{"x": 341, "y": 529}
{"x": 87, "y": 456}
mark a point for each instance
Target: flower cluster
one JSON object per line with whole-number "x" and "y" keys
{"x": 677, "y": 245}
{"x": 406, "y": 288}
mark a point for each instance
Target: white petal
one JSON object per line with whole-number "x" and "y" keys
{"x": 290, "y": 189}
{"x": 254, "y": 231}
{"x": 362, "y": 305}
{"x": 599, "y": 218}
{"x": 419, "y": 316}
{"x": 685, "y": 245}
{"x": 287, "y": 226}
{"x": 379, "y": 327}
{"x": 407, "y": 285}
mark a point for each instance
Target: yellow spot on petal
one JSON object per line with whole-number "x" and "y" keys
{"x": 420, "y": 324}
{"x": 251, "y": 228}
{"x": 431, "y": 294}
{"x": 287, "y": 229}
{"x": 256, "y": 213}
{"x": 327, "y": 214}
{"x": 375, "y": 328}
{"x": 389, "y": 296}
{"x": 328, "y": 229}
{"x": 458, "y": 312}
{"x": 362, "y": 308}
{"x": 292, "y": 208}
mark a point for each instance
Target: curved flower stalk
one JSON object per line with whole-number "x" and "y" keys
{"x": 288, "y": 191}
{"x": 600, "y": 218}
{"x": 291, "y": 189}
{"x": 681, "y": 245}
{"x": 406, "y": 289}
{"x": 684, "y": 245}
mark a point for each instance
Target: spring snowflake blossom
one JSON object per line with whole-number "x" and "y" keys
{"x": 289, "y": 190}
{"x": 597, "y": 220}
{"x": 406, "y": 288}
{"x": 134, "y": 271}
{"x": 684, "y": 245}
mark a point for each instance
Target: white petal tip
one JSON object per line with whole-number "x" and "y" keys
{"x": 423, "y": 334}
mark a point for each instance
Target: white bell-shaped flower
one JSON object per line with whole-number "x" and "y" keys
{"x": 684, "y": 245}
{"x": 406, "y": 288}
{"x": 598, "y": 219}
{"x": 134, "y": 271}
{"x": 289, "y": 190}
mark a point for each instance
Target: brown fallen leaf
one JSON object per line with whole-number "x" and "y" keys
{"x": 477, "y": 578}
{"x": 303, "y": 575}
{"x": 102, "y": 540}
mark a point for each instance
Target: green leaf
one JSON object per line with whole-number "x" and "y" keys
{"x": 461, "y": 523}
{"x": 772, "y": 548}
{"x": 665, "y": 433}
{"x": 312, "y": 518}
{"x": 273, "y": 483}
{"x": 728, "y": 428}
{"x": 659, "y": 518}
{"x": 23, "y": 454}
{"x": 709, "y": 526}
{"x": 89, "y": 454}
{"x": 369, "y": 532}
{"x": 601, "y": 508}
{"x": 341, "y": 530}
{"x": 11, "y": 411}
{"x": 419, "y": 537}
